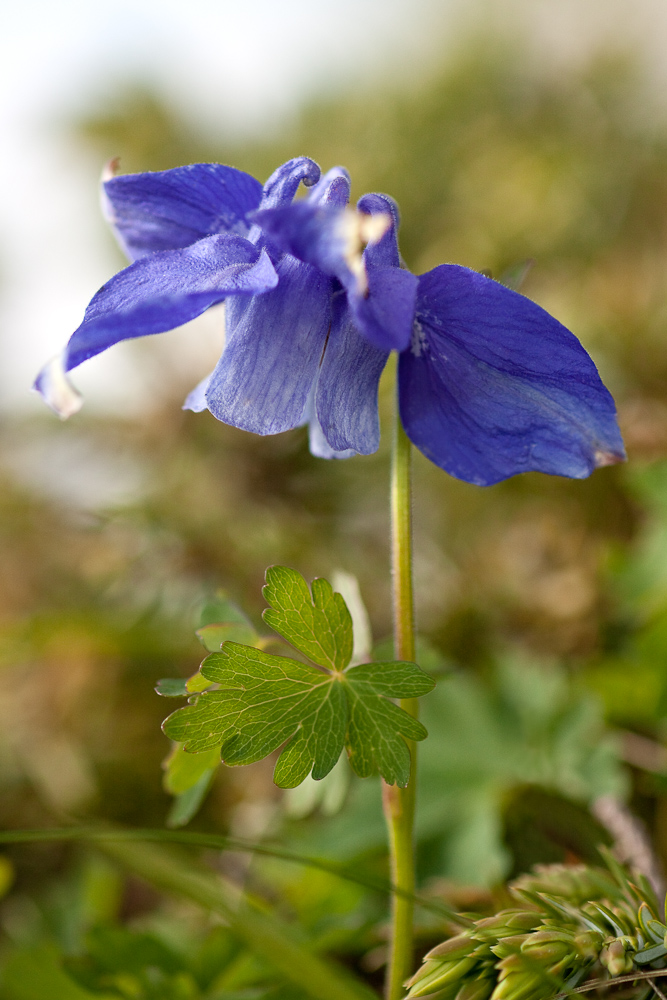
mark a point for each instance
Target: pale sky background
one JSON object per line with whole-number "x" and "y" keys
{"x": 247, "y": 65}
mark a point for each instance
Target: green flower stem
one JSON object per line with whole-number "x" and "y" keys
{"x": 401, "y": 548}
{"x": 399, "y": 803}
{"x": 248, "y": 920}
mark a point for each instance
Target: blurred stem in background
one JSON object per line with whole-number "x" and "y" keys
{"x": 399, "y": 803}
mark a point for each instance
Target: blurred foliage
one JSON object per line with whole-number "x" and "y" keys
{"x": 73, "y": 946}
{"x": 547, "y": 597}
{"x": 496, "y": 750}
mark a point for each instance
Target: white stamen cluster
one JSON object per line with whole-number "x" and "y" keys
{"x": 355, "y": 230}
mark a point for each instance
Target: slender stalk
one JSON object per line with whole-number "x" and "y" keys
{"x": 399, "y": 803}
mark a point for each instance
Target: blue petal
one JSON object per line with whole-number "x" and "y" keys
{"x": 386, "y": 313}
{"x": 274, "y": 346}
{"x": 160, "y": 292}
{"x": 171, "y": 209}
{"x": 493, "y": 385}
{"x": 346, "y": 398}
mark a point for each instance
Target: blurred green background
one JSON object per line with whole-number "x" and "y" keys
{"x": 542, "y": 602}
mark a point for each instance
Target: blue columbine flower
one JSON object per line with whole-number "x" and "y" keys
{"x": 489, "y": 383}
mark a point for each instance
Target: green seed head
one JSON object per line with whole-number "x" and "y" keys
{"x": 436, "y": 975}
{"x": 505, "y": 924}
{"x": 547, "y": 952}
{"x": 476, "y": 989}
{"x": 521, "y": 986}
{"x": 509, "y": 945}
{"x": 455, "y": 947}
{"x": 588, "y": 945}
{"x": 616, "y": 958}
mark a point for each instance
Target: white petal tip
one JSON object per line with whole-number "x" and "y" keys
{"x": 602, "y": 458}
{"x": 196, "y": 400}
{"x": 56, "y": 389}
{"x": 320, "y": 447}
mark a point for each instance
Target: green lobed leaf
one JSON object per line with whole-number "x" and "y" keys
{"x": 265, "y": 700}
{"x": 320, "y": 626}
